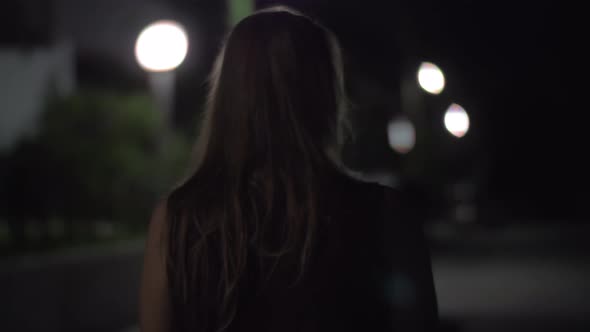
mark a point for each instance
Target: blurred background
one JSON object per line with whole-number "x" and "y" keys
{"x": 467, "y": 104}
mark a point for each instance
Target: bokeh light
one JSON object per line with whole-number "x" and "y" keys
{"x": 431, "y": 78}
{"x": 401, "y": 134}
{"x": 456, "y": 120}
{"x": 161, "y": 46}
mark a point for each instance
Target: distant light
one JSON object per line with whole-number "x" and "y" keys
{"x": 431, "y": 78}
{"x": 161, "y": 46}
{"x": 401, "y": 135}
{"x": 456, "y": 120}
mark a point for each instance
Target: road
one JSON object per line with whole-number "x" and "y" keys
{"x": 517, "y": 278}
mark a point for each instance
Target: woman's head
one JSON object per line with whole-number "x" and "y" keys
{"x": 265, "y": 151}
{"x": 276, "y": 89}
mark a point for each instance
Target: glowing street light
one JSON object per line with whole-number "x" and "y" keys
{"x": 401, "y": 135}
{"x": 160, "y": 48}
{"x": 431, "y": 78}
{"x": 456, "y": 120}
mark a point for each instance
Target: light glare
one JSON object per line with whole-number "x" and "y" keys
{"x": 401, "y": 135}
{"x": 431, "y": 78}
{"x": 456, "y": 120}
{"x": 161, "y": 46}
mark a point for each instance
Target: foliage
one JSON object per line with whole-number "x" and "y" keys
{"x": 97, "y": 156}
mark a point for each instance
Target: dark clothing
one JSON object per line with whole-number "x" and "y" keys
{"x": 369, "y": 271}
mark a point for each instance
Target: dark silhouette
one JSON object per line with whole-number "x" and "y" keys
{"x": 270, "y": 233}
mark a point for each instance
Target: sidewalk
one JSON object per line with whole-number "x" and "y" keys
{"x": 84, "y": 289}
{"x": 515, "y": 278}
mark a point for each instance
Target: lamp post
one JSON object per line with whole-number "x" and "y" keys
{"x": 160, "y": 48}
{"x": 421, "y": 86}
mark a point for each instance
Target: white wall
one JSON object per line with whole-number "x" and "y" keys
{"x": 26, "y": 79}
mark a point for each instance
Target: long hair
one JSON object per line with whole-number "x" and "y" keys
{"x": 267, "y": 143}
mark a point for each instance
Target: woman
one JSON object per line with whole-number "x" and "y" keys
{"x": 270, "y": 233}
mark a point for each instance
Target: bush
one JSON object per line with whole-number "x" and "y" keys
{"x": 97, "y": 156}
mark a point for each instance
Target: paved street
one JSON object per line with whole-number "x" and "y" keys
{"x": 514, "y": 279}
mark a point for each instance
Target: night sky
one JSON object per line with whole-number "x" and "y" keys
{"x": 504, "y": 61}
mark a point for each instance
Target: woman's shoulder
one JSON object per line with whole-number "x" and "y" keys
{"x": 375, "y": 191}
{"x": 395, "y": 207}
{"x": 157, "y": 226}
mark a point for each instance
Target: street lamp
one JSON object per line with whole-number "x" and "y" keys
{"x": 160, "y": 48}
{"x": 456, "y": 120}
{"x": 431, "y": 78}
{"x": 401, "y": 134}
